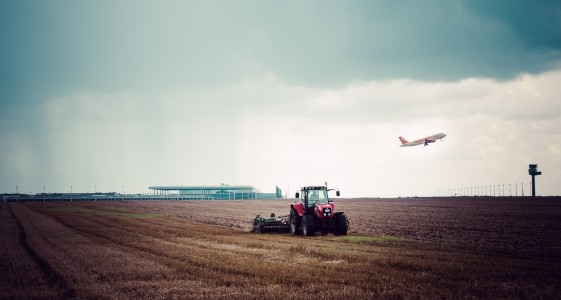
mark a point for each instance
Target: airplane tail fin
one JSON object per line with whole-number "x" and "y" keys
{"x": 403, "y": 141}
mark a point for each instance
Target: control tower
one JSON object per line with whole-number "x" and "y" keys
{"x": 533, "y": 171}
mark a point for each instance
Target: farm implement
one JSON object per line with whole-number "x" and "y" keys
{"x": 272, "y": 224}
{"x": 314, "y": 213}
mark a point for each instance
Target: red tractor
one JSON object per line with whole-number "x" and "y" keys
{"x": 316, "y": 213}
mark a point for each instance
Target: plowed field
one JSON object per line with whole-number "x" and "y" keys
{"x": 397, "y": 248}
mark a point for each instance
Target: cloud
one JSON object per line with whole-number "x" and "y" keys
{"x": 208, "y": 92}
{"x": 269, "y": 132}
{"x": 555, "y": 152}
{"x": 67, "y": 47}
{"x": 536, "y": 24}
{"x": 495, "y": 128}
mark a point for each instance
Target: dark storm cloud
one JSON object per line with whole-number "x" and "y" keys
{"x": 536, "y": 24}
{"x": 426, "y": 40}
{"x": 60, "y": 47}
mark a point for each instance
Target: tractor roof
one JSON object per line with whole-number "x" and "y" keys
{"x": 315, "y": 187}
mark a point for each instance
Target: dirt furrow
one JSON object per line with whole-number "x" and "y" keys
{"x": 22, "y": 270}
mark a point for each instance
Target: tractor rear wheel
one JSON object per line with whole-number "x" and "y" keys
{"x": 295, "y": 221}
{"x": 340, "y": 224}
{"x": 308, "y": 225}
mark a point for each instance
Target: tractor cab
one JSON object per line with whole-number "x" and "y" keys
{"x": 311, "y": 195}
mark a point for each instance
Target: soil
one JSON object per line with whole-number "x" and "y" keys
{"x": 509, "y": 223}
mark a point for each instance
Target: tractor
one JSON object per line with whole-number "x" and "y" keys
{"x": 316, "y": 213}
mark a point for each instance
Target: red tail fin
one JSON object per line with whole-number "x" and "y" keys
{"x": 403, "y": 141}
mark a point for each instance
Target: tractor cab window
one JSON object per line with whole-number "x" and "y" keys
{"x": 317, "y": 196}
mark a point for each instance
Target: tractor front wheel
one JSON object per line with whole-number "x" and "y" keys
{"x": 308, "y": 225}
{"x": 295, "y": 221}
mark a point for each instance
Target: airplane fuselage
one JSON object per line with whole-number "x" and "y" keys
{"x": 424, "y": 141}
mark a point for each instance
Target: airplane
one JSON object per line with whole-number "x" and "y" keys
{"x": 425, "y": 141}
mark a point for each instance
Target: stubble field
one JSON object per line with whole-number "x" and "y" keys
{"x": 397, "y": 248}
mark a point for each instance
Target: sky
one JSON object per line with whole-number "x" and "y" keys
{"x": 121, "y": 95}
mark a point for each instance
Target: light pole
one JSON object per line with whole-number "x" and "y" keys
{"x": 16, "y": 189}
{"x": 70, "y": 189}
{"x": 522, "y": 189}
{"x": 43, "y": 189}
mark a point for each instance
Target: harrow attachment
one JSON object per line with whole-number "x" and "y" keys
{"x": 272, "y": 224}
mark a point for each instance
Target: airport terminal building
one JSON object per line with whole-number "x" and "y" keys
{"x": 203, "y": 192}
{"x": 215, "y": 192}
